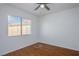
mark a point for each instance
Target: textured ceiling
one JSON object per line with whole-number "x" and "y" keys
{"x": 54, "y": 7}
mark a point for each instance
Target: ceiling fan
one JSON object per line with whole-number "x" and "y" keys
{"x": 42, "y": 5}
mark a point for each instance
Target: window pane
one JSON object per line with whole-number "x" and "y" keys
{"x": 26, "y": 26}
{"x": 14, "y": 25}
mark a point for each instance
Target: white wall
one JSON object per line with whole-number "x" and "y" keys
{"x": 61, "y": 29}
{"x": 8, "y": 44}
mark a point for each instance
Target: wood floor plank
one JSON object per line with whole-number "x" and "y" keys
{"x": 41, "y": 49}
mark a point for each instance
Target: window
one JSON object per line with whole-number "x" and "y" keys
{"x": 26, "y": 26}
{"x": 18, "y": 26}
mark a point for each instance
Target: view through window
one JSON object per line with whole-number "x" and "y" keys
{"x": 18, "y": 26}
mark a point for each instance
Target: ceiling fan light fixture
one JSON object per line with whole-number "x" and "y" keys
{"x": 42, "y": 6}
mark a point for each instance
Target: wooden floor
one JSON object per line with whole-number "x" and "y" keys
{"x": 41, "y": 49}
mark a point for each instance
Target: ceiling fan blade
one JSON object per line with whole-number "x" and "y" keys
{"x": 47, "y": 7}
{"x": 37, "y": 7}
